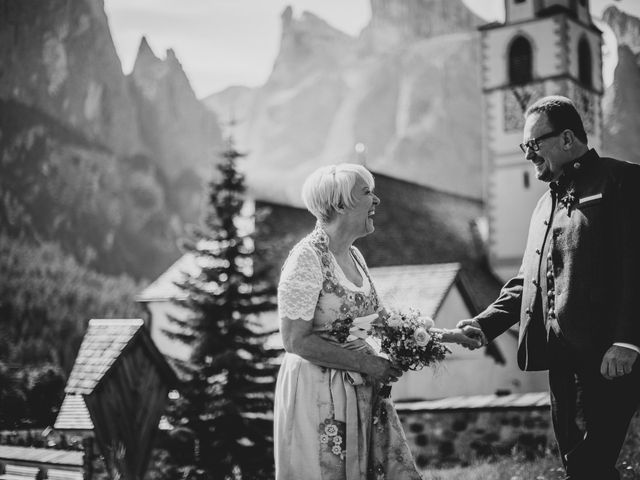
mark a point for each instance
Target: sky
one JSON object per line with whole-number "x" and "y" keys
{"x": 235, "y": 42}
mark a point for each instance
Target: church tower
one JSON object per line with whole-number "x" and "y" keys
{"x": 544, "y": 47}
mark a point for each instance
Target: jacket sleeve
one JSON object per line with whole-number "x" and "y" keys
{"x": 505, "y": 311}
{"x": 626, "y": 328}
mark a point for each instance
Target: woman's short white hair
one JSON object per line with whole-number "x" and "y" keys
{"x": 330, "y": 188}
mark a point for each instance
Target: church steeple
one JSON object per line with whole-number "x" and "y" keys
{"x": 544, "y": 47}
{"x": 524, "y": 10}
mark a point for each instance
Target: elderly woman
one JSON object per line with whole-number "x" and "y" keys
{"x": 330, "y": 421}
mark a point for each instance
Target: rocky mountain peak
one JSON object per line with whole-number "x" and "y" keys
{"x": 394, "y": 21}
{"x": 626, "y": 27}
{"x": 171, "y": 57}
{"x": 286, "y": 16}
{"x": 308, "y": 39}
{"x": 176, "y": 125}
{"x": 144, "y": 50}
{"x": 309, "y": 28}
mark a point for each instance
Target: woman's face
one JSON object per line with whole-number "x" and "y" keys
{"x": 360, "y": 216}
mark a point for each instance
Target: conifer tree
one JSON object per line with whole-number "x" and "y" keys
{"x": 226, "y": 404}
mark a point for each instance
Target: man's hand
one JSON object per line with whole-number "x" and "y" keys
{"x": 471, "y": 329}
{"x": 618, "y": 361}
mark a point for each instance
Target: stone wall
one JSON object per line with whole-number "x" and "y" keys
{"x": 443, "y": 438}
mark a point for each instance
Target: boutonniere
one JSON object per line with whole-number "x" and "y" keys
{"x": 569, "y": 199}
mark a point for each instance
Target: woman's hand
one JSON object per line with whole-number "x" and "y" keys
{"x": 466, "y": 337}
{"x": 381, "y": 370}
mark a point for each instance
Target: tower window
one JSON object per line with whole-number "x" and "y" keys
{"x": 520, "y": 61}
{"x": 584, "y": 62}
{"x": 519, "y": 1}
{"x": 525, "y": 180}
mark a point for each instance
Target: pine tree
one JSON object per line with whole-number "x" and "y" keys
{"x": 227, "y": 403}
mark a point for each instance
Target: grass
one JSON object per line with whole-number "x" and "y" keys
{"x": 547, "y": 467}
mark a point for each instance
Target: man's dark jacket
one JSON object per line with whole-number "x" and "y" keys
{"x": 594, "y": 240}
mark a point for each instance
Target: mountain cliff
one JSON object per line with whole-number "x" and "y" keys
{"x": 58, "y": 56}
{"x": 621, "y": 101}
{"x": 113, "y": 214}
{"x": 179, "y": 130}
{"x": 407, "y": 89}
{"x": 394, "y": 21}
{"x": 108, "y": 166}
{"x": 626, "y": 28}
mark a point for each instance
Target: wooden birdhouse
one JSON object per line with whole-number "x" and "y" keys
{"x": 124, "y": 381}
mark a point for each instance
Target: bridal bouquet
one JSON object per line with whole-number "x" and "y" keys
{"x": 407, "y": 339}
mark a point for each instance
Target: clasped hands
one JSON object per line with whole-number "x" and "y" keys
{"x": 469, "y": 334}
{"x": 616, "y": 362}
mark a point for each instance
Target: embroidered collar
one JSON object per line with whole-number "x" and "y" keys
{"x": 572, "y": 171}
{"x": 320, "y": 238}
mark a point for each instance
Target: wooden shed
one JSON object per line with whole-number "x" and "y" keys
{"x": 124, "y": 381}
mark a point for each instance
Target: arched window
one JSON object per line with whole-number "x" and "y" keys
{"x": 520, "y": 61}
{"x": 584, "y": 63}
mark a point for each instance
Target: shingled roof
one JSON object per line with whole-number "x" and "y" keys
{"x": 415, "y": 225}
{"x": 45, "y": 456}
{"x": 103, "y": 343}
{"x": 74, "y": 415}
{"x": 423, "y": 287}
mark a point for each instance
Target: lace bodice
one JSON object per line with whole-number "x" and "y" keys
{"x": 300, "y": 283}
{"x": 314, "y": 287}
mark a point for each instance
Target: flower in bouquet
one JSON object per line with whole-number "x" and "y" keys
{"x": 406, "y": 338}
{"x": 421, "y": 337}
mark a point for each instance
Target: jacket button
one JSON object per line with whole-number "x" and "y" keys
{"x": 528, "y": 311}
{"x": 546, "y": 222}
{"x": 538, "y": 251}
{"x": 535, "y": 282}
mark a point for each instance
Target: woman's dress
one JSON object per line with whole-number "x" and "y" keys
{"x": 332, "y": 424}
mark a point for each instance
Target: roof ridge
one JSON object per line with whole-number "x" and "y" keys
{"x": 116, "y": 321}
{"x": 451, "y": 265}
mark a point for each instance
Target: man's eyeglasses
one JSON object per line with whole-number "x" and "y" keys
{"x": 533, "y": 143}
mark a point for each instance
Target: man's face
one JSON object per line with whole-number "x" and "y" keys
{"x": 550, "y": 157}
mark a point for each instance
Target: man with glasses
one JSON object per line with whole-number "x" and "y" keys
{"x": 577, "y": 292}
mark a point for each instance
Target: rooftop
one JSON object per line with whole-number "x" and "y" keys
{"x": 103, "y": 343}
{"x": 41, "y": 455}
{"x": 479, "y": 402}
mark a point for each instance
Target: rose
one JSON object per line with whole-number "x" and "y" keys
{"x": 395, "y": 320}
{"x": 421, "y": 337}
{"x": 428, "y": 322}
